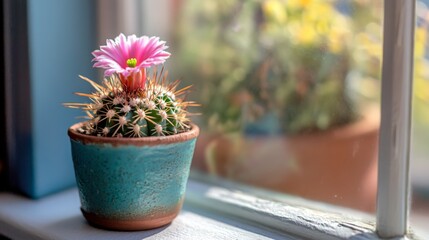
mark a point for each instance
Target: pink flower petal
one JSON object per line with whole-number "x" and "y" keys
{"x": 113, "y": 56}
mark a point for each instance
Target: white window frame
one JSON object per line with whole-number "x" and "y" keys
{"x": 394, "y": 147}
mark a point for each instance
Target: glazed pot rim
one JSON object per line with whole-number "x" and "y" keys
{"x": 143, "y": 141}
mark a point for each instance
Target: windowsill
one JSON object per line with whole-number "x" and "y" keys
{"x": 209, "y": 212}
{"x": 58, "y": 217}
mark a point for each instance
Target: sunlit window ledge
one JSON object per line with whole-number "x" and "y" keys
{"x": 210, "y": 212}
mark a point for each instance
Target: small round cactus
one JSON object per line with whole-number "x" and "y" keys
{"x": 157, "y": 110}
{"x": 129, "y": 103}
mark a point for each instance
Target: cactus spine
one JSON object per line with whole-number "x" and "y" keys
{"x": 157, "y": 110}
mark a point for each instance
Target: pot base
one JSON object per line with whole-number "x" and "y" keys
{"x": 131, "y": 224}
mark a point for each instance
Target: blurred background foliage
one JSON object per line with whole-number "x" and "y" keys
{"x": 274, "y": 66}
{"x": 287, "y": 65}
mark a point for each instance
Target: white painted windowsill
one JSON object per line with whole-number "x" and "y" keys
{"x": 58, "y": 217}
{"x": 209, "y": 212}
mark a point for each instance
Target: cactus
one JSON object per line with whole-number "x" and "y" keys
{"x": 157, "y": 110}
{"x": 129, "y": 103}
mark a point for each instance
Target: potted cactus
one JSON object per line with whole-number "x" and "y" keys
{"x": 133, "y": 154}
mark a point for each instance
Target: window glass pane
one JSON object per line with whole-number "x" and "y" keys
{"x": 289, "y": 93}
{"x": 420, "y": 124}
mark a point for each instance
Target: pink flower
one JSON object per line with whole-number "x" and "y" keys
{"x": 129, "y": 56}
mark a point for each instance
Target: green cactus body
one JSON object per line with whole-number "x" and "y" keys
{"x": 155, "y": 111}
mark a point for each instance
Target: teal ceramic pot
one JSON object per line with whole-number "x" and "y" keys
{"x": 131, "y": 183}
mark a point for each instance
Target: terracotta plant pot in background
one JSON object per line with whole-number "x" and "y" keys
{"x": 336, "y": 166}
{"x": 131, "y": 183}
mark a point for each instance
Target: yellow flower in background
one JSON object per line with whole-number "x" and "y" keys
{"x": 297, "y": 4}
{"x": 306, "y": 22}
{"x": 421, "y": 93}
{"x": 318, "y": 11}
{"x": 365, "y": 43}
{"x": 336, "y": 40}
{"x": 420, "y": 42}
{"x": 306, "y": 35}
{"x": 301, "y": 34}
{"x": 421, "y": 69}
{"x": 275, "y": 10}
{"x": 305, "y": 3}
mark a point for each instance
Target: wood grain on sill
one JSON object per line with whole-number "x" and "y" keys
{"x": 291, "y": 214}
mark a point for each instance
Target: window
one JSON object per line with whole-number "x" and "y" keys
{"x": 237, "y": 54}
{"x": 254, "y": 69}
{"x": 281, "y": 89}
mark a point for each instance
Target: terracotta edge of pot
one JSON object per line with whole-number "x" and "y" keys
{"x": 143, "y": 141}
{"x": 133, "y": 224}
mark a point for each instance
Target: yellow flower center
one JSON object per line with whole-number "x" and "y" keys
{"x": 132, "y": 62}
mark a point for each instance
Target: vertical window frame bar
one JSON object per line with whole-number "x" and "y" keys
{"x": 394, "y": 143}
